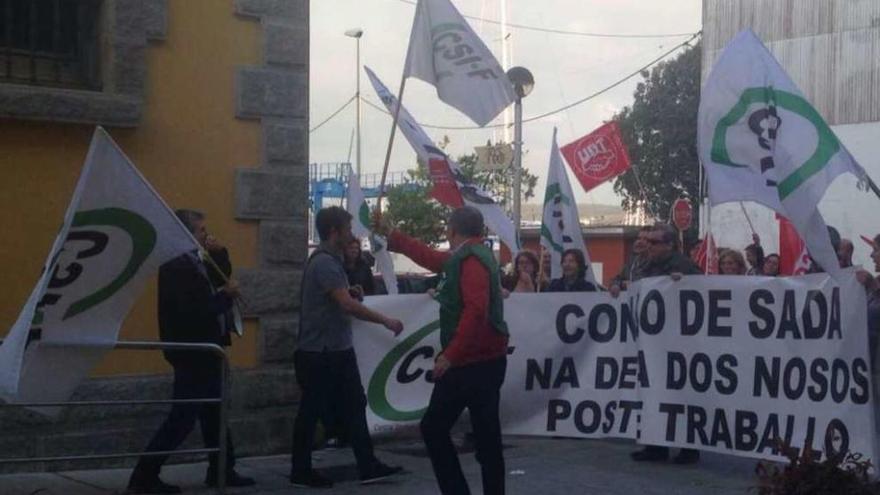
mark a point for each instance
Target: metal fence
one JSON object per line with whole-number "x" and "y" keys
{"x": 148, "y": 346}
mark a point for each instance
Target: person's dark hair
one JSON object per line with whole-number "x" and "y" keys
{"x": 466, "y": 221}
{"x": 329, "y": 219}
{"x": 189, "y": 218}
{"x": 526, "y": 254}
{"x": 668, "y": 231}
{"x": 771, "y": 255}
{"x": 579, "y": 258}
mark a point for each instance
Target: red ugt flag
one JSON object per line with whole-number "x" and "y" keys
{"x": 794, "y": 259}
{"x": 598, "y": 156}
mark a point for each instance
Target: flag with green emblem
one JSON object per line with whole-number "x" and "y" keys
{"x": 356, "y": 204}
{"x": 560, "y": 225}
{"x": 760, "y": 140}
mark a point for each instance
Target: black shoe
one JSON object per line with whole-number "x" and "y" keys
{"x": 687, "y": 456}
{"x": 233, "y": 480}
{"x": 651, "y": 454}
{"x": 310, "y": 479}
{"x": 150, "y": 485}
{"x": 379, "y": 472}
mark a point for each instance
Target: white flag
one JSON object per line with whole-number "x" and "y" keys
{"x": 445, "y": 52}
{"x": 761, "y": 140}
{"x": 356, "y": 204}
{"x": 560, "y": 225}
{"x": 116, "y": 233}
{"x": 472, "y": 195}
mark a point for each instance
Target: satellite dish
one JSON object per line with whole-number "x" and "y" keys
{"x": 522, "y": 80}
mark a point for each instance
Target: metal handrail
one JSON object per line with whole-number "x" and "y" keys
{"x": 145, "y": 346}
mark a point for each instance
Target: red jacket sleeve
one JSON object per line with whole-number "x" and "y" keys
{"x": 422, "y": 254}
{"x": 474, "y": 286}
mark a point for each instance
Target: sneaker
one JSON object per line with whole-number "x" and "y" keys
{"x": 651, "y": 453}
{"x": 380, "y": 472}
{"x": 687, "y": 456}
{"x": 151, "y": 485}
{"x": 233, "y": 480}
{"x": 310, "y": 479}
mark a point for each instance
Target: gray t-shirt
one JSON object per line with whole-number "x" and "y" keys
{"x": 324, "y": 326}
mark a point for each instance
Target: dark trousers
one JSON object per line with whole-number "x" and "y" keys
{"x": 190, "y": 382}
{"x": 330, "y": 380}
{"x": 476, "y": 387}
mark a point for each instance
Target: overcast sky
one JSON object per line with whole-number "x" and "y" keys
{"x": 566, "y": 68}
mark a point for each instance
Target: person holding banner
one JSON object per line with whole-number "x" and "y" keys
{"x": 525, "y": 276}
{"x": 730, "y": 262}
{"x": 632, "y": 270}
{"x": 192, "y": 309}
{"x": 664, "y": 258}
{"x": 771, "y": 265}
{"x": 325, "y": 361}
{"x": 574, "y": 271}
{"x": 469, "y": 371}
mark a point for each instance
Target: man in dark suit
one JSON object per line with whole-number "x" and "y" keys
{"x": 194, "y": 306}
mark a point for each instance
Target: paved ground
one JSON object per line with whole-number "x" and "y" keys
{"x": 534, "y": 466}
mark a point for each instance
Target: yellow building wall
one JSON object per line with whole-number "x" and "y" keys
{"x": 187, "y": 145}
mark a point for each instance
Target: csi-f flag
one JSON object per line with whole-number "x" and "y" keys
{"x": 761, "y": 140}
{"x": 356, "y": 204}
{"x": 445, "y": 52}
{"x": 560, "y": 225}
{"x": 450, "y": 186}
{"x": 115, "y": 234}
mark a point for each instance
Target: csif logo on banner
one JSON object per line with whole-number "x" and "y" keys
{"x": 409, "y": 364}
{"x": 90, "y": 255}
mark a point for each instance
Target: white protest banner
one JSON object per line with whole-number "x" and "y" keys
{"x": 550, "y": 377}
{"x": 444, "y": 51}
{"x": 729, "y": 364}
{"x": 116, "y": 233}
{"x": 736, "y": 365}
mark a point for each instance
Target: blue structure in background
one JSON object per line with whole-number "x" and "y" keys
{"x": 330, "y": 180}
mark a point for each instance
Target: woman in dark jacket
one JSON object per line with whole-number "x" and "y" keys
{"x": 574, "y": 271}
{"x": 359, "y": 270}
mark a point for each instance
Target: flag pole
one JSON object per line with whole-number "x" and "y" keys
{"x": 873, "y": 185}
{"x": 391, "y": 140}
{"x": 394, "y": 120}
{"x": 749, "y": 220}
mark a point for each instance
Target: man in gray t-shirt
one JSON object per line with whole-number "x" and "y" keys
{"x": 324, "y": 326}
{"x": 325, "y": 362}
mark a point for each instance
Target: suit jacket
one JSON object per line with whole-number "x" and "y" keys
{"x": 191, "y": 309}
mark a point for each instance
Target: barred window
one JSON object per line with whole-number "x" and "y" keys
{"x": 50, "y": 43}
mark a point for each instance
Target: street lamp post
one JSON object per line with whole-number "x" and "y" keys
{"x": 523, "y": 83}
{"x": 356, "y": 33}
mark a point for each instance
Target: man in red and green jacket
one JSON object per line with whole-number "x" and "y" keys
{"x": 469, "y": 371}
